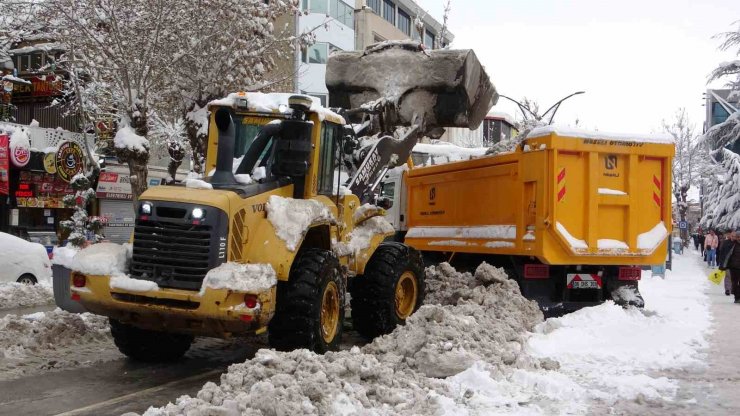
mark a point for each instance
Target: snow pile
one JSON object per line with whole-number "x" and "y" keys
{"x": 482, "y": 231}
{"x": 292, "y": 217}
{"x": 359, "y": 238}
{"x": 574, "y": 242}
{"x": 19, "y": 139}
{"x": 612, "y": 353}
{"x": 485, "y": 326}
{"x": 610, "y": 244}
{"x": 23, "y": 335}
{"x": 447, "y": 152}
{"x": 103, "y": 259}
{"x": 626, "y": 138}
{"x": 607, "y": 191}
{"x": 273, "y": 103}
{"x": 17, "y": 295}
{"x": 243, "y": 178}
{"x": 651, "y": 239}
{"x": 126, "y": 138}
{"x": 64, "y": 256}
{"x": 252, "y": 278}
{"x": 193, "y": 183}
{"x": 124, "y": 282}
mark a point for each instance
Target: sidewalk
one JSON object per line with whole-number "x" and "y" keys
{"x": 711, "y": 389}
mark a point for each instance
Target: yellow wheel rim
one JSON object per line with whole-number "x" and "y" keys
{"x": 330, "y": 312}
{"x": 406, "y": 294}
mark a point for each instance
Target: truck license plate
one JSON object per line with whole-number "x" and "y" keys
{"x": 588, "y": 284}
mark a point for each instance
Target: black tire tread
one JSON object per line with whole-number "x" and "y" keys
{"x": 373, "y": 294}
{"x": 296, "y": 323}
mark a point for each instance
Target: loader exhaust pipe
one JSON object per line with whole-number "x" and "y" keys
{"x": 224, "y": 175}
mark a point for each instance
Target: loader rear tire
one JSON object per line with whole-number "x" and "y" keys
{"x": 309, "y": 312}
{"x": 149, "y": 346}
{"x": 391, "y": 289}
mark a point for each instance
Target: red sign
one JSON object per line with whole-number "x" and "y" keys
{"x": 4, "y": 165}
{"x": 20, "y": 156}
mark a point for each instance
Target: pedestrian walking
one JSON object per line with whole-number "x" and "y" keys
{"x": 702, "y": 239}
{"x": 731, "y": 263}
{"x": 695, "y": 239}
{"x": 710, "y": 246}
{"x": 725, "y": 245}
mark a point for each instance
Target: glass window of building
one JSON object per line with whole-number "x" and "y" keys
{"x": 389, "y": 11}
{"x": 428, "y": 39}
{"x": 320, "y": 6}
{"x": 719, "y": 114}
{"x": 304, "y": 5}
{"x": 404, "y": 22}
{"x": 317, "y": 53}
{"x": 343, "y": 13}
{"x": 375, "y": 5}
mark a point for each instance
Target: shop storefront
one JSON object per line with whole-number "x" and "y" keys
{"x": 34, "y": 183}
{"x": 116, "y": 207}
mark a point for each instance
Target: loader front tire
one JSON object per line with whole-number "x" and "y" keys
{"x": 390, "y": 290}
{"x": 149, "y": 346}
{"x": 309, "y": 312}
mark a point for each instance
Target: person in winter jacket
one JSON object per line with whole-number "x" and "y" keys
{"x": 725, "y": 245}
{"x": 732, "y": 263}
{"x": 702, "y": 239}
{"x": 710, "y": 246}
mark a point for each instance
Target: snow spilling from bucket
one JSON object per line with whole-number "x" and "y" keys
{"x": 482, "y": 322}
{"x": 17, "y": 295}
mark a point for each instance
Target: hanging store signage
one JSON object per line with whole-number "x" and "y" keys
{"x": 50, "y": 163}
{"x": 20, "y": 156}
{"x": 114, "y": 186}
{"x": 69, "y": 161}
{"x": 4, "y": 165}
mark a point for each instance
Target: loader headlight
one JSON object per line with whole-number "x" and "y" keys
{"x": 197, "y": 213}
{"x": 146, "y": 208}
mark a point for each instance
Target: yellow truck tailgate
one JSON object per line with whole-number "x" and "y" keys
{"x": 566, "y": 197}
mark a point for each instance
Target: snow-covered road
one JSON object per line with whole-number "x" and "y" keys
{"x": 600, "y": 360}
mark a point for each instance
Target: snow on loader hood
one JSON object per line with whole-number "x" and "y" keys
{"x": 292, "y": 217}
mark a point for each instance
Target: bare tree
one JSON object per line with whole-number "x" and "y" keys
{"x": 443, "y": 31}
{"x": 689, "y": 160}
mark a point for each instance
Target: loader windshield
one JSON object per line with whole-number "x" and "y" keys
{"x": 247, "y": 128}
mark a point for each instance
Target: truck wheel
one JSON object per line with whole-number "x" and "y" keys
{"x": 391, "y": 289}
{"x": 310, "y": 306}
{"x": 149, "y": 346}
{"x": 27, "y": 279}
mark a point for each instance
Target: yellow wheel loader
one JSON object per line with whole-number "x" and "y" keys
{"x": 283, "y": 226}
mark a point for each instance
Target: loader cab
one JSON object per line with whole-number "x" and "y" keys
{"x": 295, "y": 142}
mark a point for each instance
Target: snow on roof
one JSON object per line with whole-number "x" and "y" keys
{"x": 454, "y": 152}
{"x": 39, "y": 47}
{"x": 501, "y": 115}
{"x": 274, "y": 103}
{"x": 15, "y": 79}
{"x": 565, "y": 131}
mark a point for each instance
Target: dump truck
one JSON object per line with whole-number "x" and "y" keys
{"x": 271, "y": 241}
{"x": 571, "y": 215}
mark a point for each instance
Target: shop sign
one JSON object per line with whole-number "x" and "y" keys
{"x": 40, "y": 202}
{"x": 4, "y": 165}
{"x": 24, "y": 190}
{"x": 50, "y": 163}
{"x": 70, "y": 161}
{"x": 114, "y": 186}
{"x": 40, "y": 86}
{"x": 20, "y": 156}
{"x": 7, "y": 86}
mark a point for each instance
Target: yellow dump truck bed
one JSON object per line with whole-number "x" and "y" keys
{"x": 565, "y": 197}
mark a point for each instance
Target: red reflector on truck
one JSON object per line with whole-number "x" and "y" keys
{"x": 630, "y": 273}
{"x": 536, "y": 271}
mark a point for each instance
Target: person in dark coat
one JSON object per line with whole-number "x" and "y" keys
{"x": 732, "y": 263}
{"x": 702, "y": 238}
{"x": 725, "y": 244}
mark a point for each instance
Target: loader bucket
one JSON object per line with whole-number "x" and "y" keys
{"x": 449, "y": 88}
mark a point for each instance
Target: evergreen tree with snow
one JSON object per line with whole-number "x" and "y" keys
{"x": 80, "y": 225}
